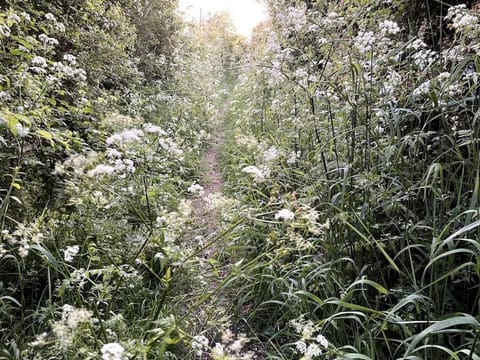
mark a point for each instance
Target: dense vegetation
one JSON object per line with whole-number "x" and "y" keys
{"x": 349, "y": 220}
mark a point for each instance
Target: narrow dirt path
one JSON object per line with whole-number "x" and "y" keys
{"x": 212, "y": 307}
{"x": 205, "y": 216}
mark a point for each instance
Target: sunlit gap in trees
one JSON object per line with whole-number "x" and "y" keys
{"x": 246, "y": 14}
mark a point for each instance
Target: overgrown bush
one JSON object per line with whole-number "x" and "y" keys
{"x": 353, "y": 143}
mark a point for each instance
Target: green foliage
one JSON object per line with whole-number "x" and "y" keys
{"x": 362, "y": 204}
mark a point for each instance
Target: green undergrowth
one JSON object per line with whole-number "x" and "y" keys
{"x": 352, "y": 153}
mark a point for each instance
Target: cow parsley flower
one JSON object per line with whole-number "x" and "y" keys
{"x": 422, "y": 91}
{"x": 113, "y": 154}
{"x": 364, "y": 41}
{"x": 126, "y": 136}
{"x": 313, "y": 350}
{"x": 284, "y": 214}
{"x": 112, "y": 351}
{"x": 322, "y": 340}
{"x": 70, "y": 59}
{"x": 196, "y": 189}
{"x": 388, "y": 27}
{"x": 258, "y": 175}
{"x": 153, "y": 129}
{"x": 270, "y": 154}
{"x": 46, "y": 40}
{"x": 22, "y": 131}
{"x": 199, "y": 344}
{"x": 301, "y": 346}
{"x": 101, "y": 170}
{"x": 50, "y": 17}
{"x": 461, "y": 20}
{"x": 70, "y": 252}
{"x": 39, "y": 61}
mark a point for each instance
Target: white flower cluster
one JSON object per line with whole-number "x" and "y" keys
{"x": 293, "y": 157}
{"x": 154, "y": 129}
{"x": 422, "y": 91}
{"x": 270, "y": 154}
{"x": 170, "y": 146}
{"x": 273, "y": 45}
{"x": 72, "y": 317}
{"x": 38, "y": 64}
{"x": 50, "y": 17}
{"x": 311, "y": 344}
{"x": 364, "y": 41}
{"x": 125, "y": 136}
{"x": 389, "y": 27}
{"x": 292, "y": 19}
{"x": 196, "y": 189}
{"x": 22, "y": 131}
{"x": 462, "y": 21}
{"x": 22, "y": 238}
{"x": 70, "y": 252}
{"x": 77, "y": 163}
{"x": 113, "y": 351}
{"x": 393, "y": 82}
{"x": 200, "y": 344}
{"x": 332, "y": 21}
{"x": 47, "y": 40}
{"x": 285, "y": 214}
{"x": 258, "y": 175}
{"x": 68, "y": 71}
{"x": 424, "y": 58}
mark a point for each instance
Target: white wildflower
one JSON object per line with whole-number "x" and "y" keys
{"x": 50, "y": 17}
{"x": 112, "y": 351}
{"x": 199, "y": 343}
{"x": 284, "y": 214}
{"x": 70, "y": 252}
{"x": 126, "y": 136}
{"x": 364, "y": 41}
{"x": 153, "y": 129}
{"x": 461, "y": 20}
{"x": 313, "y": 350}
{"x": 70, "y": 59}
{"x": 46, "y": 40}
{"x": 417, "y": 44}
{"x": 22, "y": 131}
{"x": 26, "y": 16}
{"x": 60, "y": 27}
{"x": 4, "y": 96}
{"x": 258, "y": 175}
{"x": 23, "y": 251}
{"x": 100, "y": 170}
{"x": 322, "y": 340}
{"x": 301, "y": 346}
{"x": 293, "y": 157}
{"x": 39, "y": 61}
{"x": 113, "y": 154}
{"x": 218, "y": 350}
{"x": 78, "y": 316}
{"x": 270, "y": 154}
{"x": 196, "y": 189}
{"x": 388, "y": 27}
{"x": 40, "y": 340}
{"x": 422, "y": 91}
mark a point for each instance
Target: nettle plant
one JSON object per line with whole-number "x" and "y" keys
{"x": 374, "y": 129}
